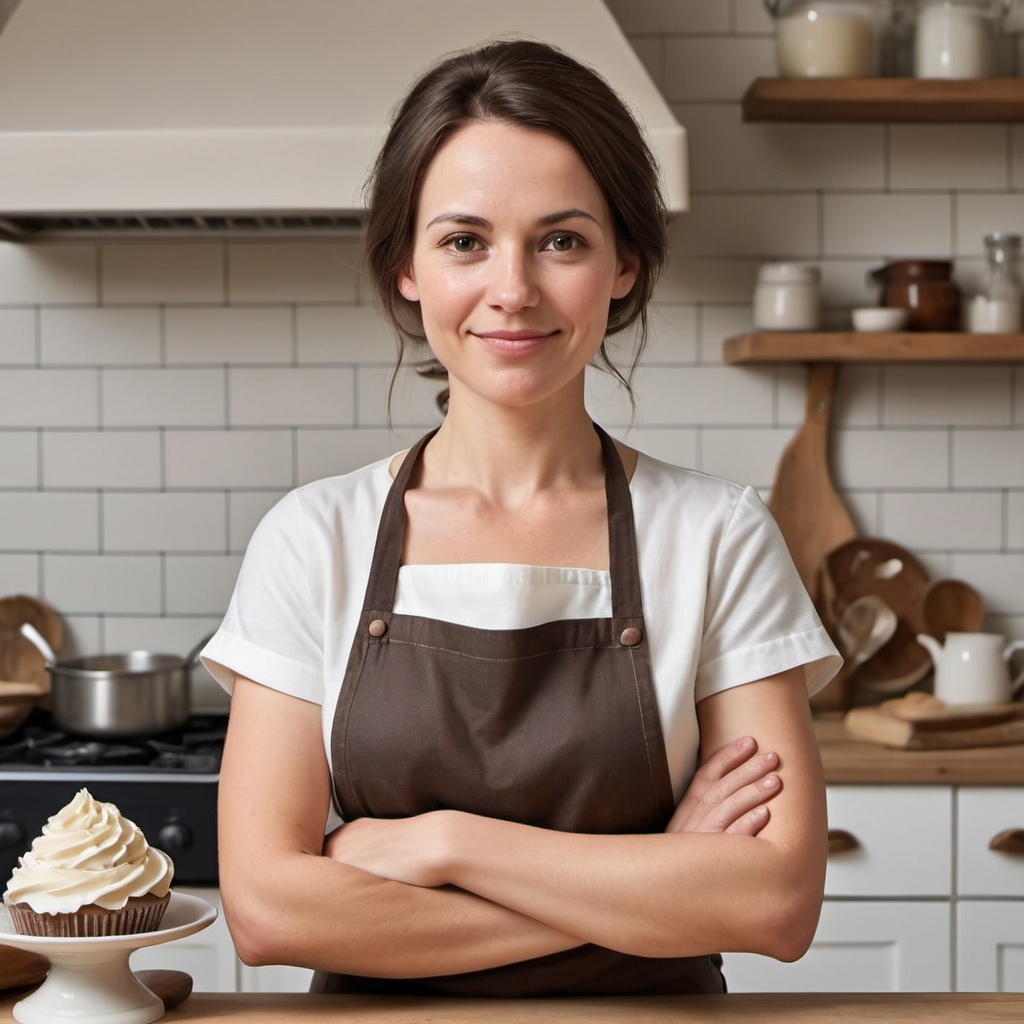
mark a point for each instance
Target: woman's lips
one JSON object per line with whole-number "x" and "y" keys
{"x": 513, "y": 342}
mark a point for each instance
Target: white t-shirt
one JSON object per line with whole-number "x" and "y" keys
{"x": 723, "y": 604}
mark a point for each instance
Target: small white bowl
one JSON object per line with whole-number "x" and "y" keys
{"x": 879, "y": 318}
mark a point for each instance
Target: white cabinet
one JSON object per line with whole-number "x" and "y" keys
{"x": 990, "y": 890}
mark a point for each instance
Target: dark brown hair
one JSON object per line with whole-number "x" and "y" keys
{"x": 532, "y": 85}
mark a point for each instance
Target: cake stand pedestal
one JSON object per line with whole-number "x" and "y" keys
{"x": 90, "y": 980}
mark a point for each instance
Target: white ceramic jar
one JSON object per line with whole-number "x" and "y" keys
{"x": 787, "y": 297}
{"x": 827, "y": 38}
{"x": 955, "y": 39}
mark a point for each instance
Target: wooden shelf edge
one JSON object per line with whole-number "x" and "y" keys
{"x": 865, "y": 347}
{"x": 882, "y": 100}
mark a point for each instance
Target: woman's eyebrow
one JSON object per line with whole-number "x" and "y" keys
{"x": 471, "y": 220}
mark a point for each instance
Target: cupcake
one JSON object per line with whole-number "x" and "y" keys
{"x": 91, "y": 872}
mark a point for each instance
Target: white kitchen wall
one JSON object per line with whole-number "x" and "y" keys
{"x": 155, "y": 400}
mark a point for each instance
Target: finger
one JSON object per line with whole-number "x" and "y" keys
{"x": 728, "y": 758}
{"x": 751, "y": 823}
{"x": 747, "y": 773}
{"x": 721, "y": 813}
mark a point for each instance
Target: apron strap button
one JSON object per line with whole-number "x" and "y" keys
{"x": 630, "y": 637}
{"x": 377, "y": 628}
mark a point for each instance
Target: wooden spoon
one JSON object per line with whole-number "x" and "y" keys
{"x": 865, "y": 626}
{"x": 803, "y": 501}
{"x": 952, "y": 606}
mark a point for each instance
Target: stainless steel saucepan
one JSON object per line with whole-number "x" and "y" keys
{"x": 109, "y": 696}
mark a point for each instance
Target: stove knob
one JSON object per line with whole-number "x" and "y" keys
{"x": 11, "y": 833}
{"x": 174, "y": 837}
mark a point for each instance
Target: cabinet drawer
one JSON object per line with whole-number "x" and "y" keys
{"x": 983, "y": 814}
{"x": 899, "y": 841}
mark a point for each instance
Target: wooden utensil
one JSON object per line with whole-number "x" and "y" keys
{"x": 19, "y": 968}
{"x": 172, "y": 988}
{"x": 952, "y": 606}
{"x": 864, "y": 627}
{"x": 955, "y": 728}
{"x": 872, "y": 565}
{"x": 810, "y": 514}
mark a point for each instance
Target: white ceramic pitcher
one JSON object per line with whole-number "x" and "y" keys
{"x": 973, "y": 668}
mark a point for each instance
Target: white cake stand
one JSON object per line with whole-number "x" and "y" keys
{"x": 90, "y": 981}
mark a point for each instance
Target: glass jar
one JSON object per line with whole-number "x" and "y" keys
{"x": 924, "y": 288}
{"x": 827, "y": 38}
{"x": 787, "y": 297}
{"x": 1000, "y": 306}
{"x": 956, "y": 38}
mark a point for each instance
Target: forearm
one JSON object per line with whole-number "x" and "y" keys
{"x": 310, "y": 911}
{"x": 650, "y": 895}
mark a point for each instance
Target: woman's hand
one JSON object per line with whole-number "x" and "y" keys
{"x": 408, "y": 850}
{"x": 730, "y": 791}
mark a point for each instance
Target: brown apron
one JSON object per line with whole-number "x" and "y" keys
{"x": 553, "y": 725}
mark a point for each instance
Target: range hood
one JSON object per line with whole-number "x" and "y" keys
{"x": 138, "y": 119}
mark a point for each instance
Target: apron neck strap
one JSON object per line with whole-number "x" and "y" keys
{"x": 622, "y": 553}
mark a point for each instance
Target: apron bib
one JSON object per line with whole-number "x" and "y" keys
{"x": 553, "y": 725}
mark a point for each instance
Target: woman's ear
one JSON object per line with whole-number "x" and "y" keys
{"x": 629, "y": 269}
{"x": 407, "y": 285}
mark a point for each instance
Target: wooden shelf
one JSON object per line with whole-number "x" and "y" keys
{"x": 865, "y": 347}
{"x": 881, "y": 100}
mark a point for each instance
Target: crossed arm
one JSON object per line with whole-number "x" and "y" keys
{"x": 740, "y": 867}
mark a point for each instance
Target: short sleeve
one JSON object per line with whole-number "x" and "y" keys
{"x": 759, "y": 618}
{"x": 271, "y": 630}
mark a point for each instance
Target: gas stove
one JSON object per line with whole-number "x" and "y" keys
{"x": 166, "y": 784}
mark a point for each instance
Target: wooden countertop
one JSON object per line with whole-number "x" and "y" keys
{"x": 812, "y": 1008}
{"x": 849, "y": 760}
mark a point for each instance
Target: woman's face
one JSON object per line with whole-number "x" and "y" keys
{"x": 514, "y": 264}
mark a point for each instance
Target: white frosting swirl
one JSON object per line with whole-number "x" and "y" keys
{"x": 88, "y": 853}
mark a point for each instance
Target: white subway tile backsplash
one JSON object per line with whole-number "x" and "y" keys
{"x": 19, "y": 459}
{"x": 17, "y": 337}
{"x": 19, "y": 573}
{"x": 997, "y": 577}
{"x": 1017, "y": 158}
{"x": 166, "y": 397}
{"x": 97, "y": 336}
{"x": 944, "y": 520}
{"x": 285, "y": 396}
{"x": 988, "y": 458}
{"x": 164, "y": 272}
{"x": 165, "y": 521}
{"x": 413, "y": 401}
{"x": 344, "y": 334}
{"x": 48, "y": 521}
{"x": 946, "y": 395}
{"x": 716, "y": 67}
{"x": 701, "y": 396}
{"x": 978, "y": 214}
{"x": 323, "y": 453}
{"x": 294, "y": 271}
{"x": 894, "y": 224}
{"x": 677, "y": 446}
{"x": 1015, "y": 520}
{"x": 948, "y": 156}
{"x": 227, "y": 334}
{"x": 891, "y": 459}
{"x": 745, "y": 225}
{"x": 747, "y": 456}
{"x": 730, "y": 154}
{"x": 49, "y": 398}
{"x": 654, "y": 16}
{"x": 228, "y": 459}
{"x": 104, "y": 584}
{"x": 51, "y": 274}
{"x": 200, "y": 585}
{"x": 245, "y": 510}
{"x": 108, "y": 458}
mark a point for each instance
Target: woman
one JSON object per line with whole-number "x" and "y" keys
{"x": 502, "y": 654}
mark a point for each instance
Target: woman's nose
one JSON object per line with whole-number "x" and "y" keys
{"x": 512, "y": 282}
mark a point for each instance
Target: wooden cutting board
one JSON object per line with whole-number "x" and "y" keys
{"x": 919, "y": 722}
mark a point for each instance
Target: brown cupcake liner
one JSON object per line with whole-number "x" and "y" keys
{"x": 139, "y": 914}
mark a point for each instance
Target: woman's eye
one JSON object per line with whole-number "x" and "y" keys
{"x": 461, "y": 243}
{"x": 563, "y": 243}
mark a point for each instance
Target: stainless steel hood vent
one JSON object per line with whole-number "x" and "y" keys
{"x": 152, "y": 119}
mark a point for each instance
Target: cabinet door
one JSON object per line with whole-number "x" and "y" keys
{"x": 903, "y": 837}
{"x": 983, "y": 814}
{"x": 209, "y": 955}
{"x": 990, "y": 946}
{"x": 860, "y": 946}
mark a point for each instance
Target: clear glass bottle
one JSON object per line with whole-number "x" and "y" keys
{"x": 828, "y": 38}
{"x": 999, "y": 308}
{"x": 957, "y": 38}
